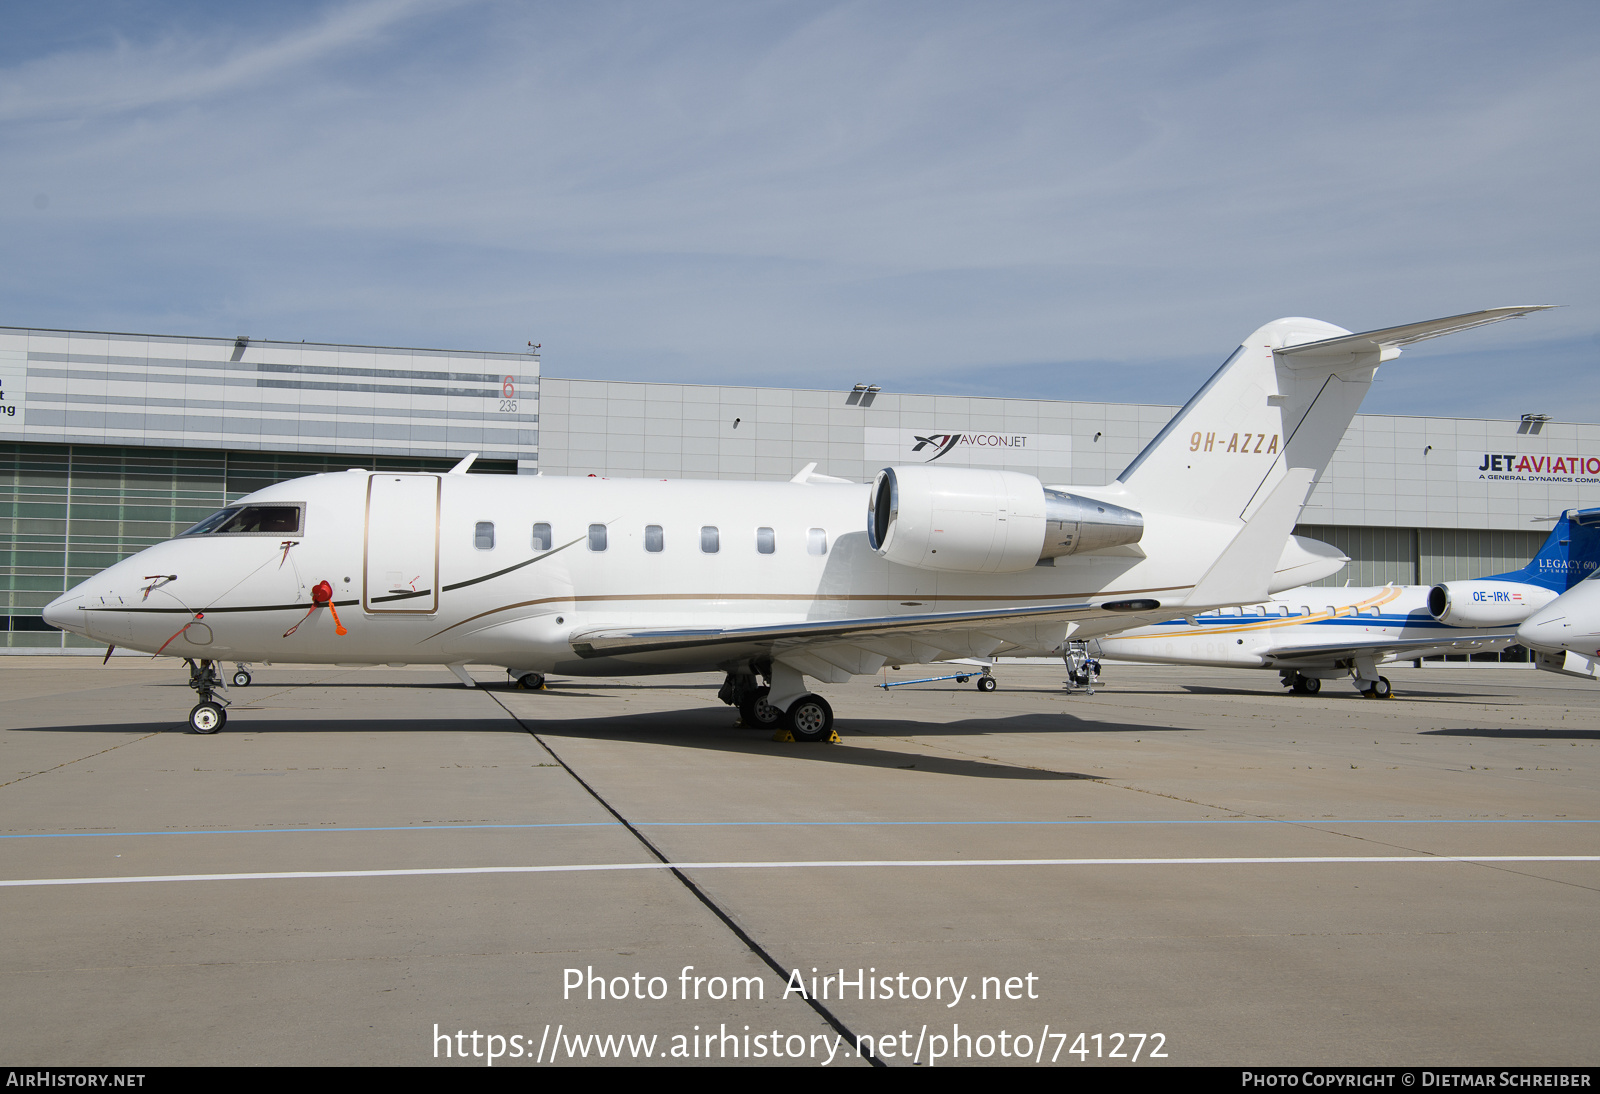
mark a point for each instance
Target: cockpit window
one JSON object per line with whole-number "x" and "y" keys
{"x": 253, "y": 520}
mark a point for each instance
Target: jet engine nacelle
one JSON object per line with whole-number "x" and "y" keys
{"x": 986, "y": 522}
{"x": 1486, "y": 603}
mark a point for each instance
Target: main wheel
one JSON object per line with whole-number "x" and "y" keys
{"x": 1311, "y": 684}
{"x": 207, "y": 718}
{"x": 241, "y": 679}
{"x": 530, "y": 681}
{"x": 757, "y": 713}
{"x": 1381, "y": 689}
{"x": 987, "y": 683}
{"x": 810, "y": 718}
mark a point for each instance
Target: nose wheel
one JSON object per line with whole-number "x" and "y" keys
{"x": 210, "y": 713}
{"x": 207, "y": 718}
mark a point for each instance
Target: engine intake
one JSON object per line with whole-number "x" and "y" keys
{"x": 974, "y": 521}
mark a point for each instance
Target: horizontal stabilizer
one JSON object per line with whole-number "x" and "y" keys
{"x": 1405, "y": 335}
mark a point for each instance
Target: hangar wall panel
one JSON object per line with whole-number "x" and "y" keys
{"x": 1389, "y": 471}
{"x": 75, "y": 387}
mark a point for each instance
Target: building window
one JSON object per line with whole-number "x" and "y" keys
{"x": 654, "y": 541}
{"x": 766, "y": 542}
{"x": 816, "y": 542}
{"x": 541, "y": 537}
{"x": 483, "y": 535}
{"x": 597, "y": 537}
{"x": 710, "y": 541}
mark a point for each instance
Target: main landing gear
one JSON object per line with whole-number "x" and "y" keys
{"x": 1376, "y": 689}
{"x": 528, "y": 681}
{"x": 211, "y": 712}
{"x": 1371, "y": 687}
{"x": 741, "y": 690}
{"x": 807, "y": 718}
{"x": 241, "y": 675}
{"x": 1301, "y": 685}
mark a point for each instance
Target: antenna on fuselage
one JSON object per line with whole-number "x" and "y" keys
{"x": 461, "y": 468}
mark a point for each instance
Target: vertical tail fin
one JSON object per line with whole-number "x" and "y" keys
{"x": 1570, "y": 553}
{"x": 1282, "y": 401}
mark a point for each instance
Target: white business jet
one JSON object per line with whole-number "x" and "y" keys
{"x": 1311, "y": 635}
{"x": 772, "y": 582}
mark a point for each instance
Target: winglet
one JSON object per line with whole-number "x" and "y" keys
{"x": 1243, "y": 571}
{"x": 466, "y": 462}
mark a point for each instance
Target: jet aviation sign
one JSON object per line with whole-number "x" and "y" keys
{"x": 1516, "y": 467}
{"x": 13, "y": 390}
{"x": 971, "y": 448}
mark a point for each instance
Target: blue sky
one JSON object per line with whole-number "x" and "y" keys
{"x": 1054, "y": 200}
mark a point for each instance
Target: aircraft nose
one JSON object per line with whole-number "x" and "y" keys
{"x": 62, "y": 613}
{"x": 1553, "y": 627}
{"x": 1537, "y": 633}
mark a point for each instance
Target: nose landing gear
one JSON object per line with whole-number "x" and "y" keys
{"x": 211, "y": 712}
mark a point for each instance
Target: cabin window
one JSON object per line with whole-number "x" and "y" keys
{"x": 252, "y": 520}
{"x": 654, "y": 541}
{"x": 483, "y": 535}
{"x": 710, "y": 540}
{"x": 541, "y": 537}
{"x": 766, "y": 541}
{"x": 597, "y": 537}
{"x": 816, "y": 542}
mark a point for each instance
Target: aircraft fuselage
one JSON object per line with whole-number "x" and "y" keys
{"x": 493, "y": 569}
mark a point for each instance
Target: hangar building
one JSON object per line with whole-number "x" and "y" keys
{"x": 111, "y": 442}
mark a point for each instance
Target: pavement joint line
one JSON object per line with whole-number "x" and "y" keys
{"x": 80, "y": 759}
{"x": 700, "y": 894}
{"x": 1295, "y": 822}
{"x": 817, "y": 864}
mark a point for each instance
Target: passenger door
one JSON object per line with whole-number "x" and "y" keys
{"x": 401, "y": 573}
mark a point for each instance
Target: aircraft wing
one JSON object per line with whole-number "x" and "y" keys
{"x": 1380, "y": 648}
{"x": 841, "y": 647}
